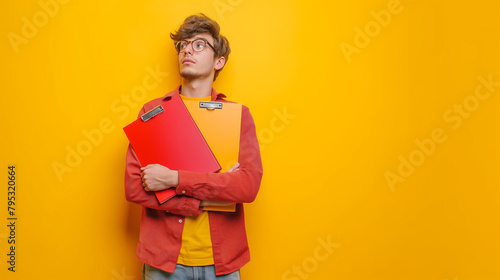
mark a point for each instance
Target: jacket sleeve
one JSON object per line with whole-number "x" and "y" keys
{"x": 134, "y": 191}
{"x": 240, "y": 186}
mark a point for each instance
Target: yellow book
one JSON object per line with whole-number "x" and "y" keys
{"x": 220, "y": 125}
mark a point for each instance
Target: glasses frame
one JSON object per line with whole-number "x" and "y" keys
{"x": 178, "y": 43}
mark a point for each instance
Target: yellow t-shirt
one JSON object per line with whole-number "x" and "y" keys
{"x": 196, "y": 248}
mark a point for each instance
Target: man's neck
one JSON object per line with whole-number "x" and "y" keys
{"x": 196, "y": 88}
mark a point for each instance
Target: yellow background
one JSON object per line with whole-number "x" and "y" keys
{"x": 332, "y": 125}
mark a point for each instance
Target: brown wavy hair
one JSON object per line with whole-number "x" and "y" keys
{"x": 198, "y": 24}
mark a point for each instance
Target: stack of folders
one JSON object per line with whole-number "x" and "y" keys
{"x": 200, "y": 136}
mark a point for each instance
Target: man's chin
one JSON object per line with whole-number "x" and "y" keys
{"x": 188, "y": 75}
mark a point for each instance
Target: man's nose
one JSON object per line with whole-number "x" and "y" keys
{"x": 189, "y": 49}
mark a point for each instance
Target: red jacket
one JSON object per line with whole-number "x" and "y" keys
{"x": 161, "y": 231}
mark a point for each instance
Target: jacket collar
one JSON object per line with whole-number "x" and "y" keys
{"x": 215, "y": 94}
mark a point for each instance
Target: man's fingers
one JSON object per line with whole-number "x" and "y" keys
{"x": 146, "y": 167}
{"x": 234, "y": 167}
{"x": 152, "y": 165}
{"x": 143, "y": 169}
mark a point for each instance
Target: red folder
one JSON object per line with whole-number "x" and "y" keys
{"x": 168, "y": 135}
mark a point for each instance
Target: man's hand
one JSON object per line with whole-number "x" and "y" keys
{"x": 156, "y": 177}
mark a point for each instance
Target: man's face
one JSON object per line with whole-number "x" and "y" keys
{"x": 198, "y": 64}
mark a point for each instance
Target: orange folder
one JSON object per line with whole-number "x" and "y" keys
{"x": 221, "y": 129}
{"x": 168, "y": 135}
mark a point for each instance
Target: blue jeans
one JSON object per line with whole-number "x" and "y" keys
{"x": 186, "y": 272}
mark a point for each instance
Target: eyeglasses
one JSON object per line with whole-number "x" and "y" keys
{"x": 197, "y": 45}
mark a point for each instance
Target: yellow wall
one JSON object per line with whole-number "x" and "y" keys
{"x": 378, "y": 120}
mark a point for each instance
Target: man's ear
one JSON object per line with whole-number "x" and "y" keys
{"x": 219, "y": 63}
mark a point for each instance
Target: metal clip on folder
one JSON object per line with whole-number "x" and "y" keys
{"x": 211, "y": 105}
{"x": 153, "y": 112}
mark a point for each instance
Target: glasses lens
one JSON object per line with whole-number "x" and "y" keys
{"x": 198, "y": 45}
{"x": 183, "y": 45}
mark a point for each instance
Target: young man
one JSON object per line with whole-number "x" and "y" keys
{"x": 178, "y": 239}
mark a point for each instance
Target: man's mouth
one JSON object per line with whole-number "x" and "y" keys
{"x": 187, "y": 61}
